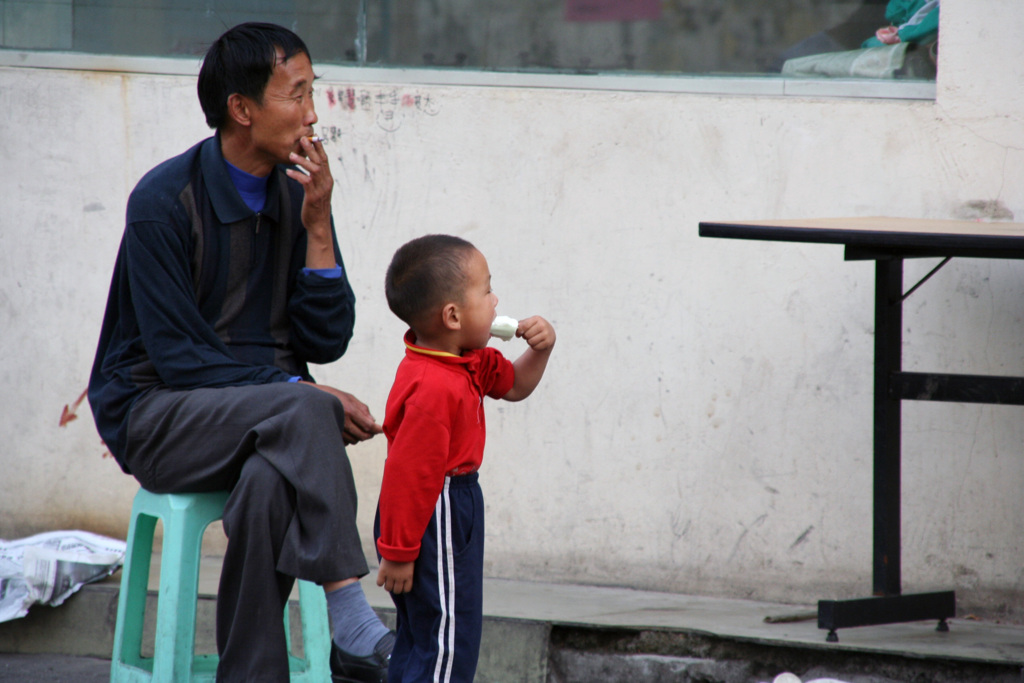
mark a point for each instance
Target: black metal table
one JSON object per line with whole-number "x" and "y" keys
{"x": 888, "y": 242}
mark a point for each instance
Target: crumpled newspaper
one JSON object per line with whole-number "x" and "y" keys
{"x": 47, "y": 568}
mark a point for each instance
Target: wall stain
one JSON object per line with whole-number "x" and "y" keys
{"x": 983, "y": 209}
{"x": 802, "y": 538}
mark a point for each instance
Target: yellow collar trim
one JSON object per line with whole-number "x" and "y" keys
{"x": 429, "y": 352}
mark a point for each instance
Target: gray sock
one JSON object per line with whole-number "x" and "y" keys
{"x": 356, "y": 627}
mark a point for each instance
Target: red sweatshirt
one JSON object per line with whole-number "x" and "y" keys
{"x": 434, "y": 424}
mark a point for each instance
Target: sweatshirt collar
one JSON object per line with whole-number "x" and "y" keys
{"x": 227, "y": 203}
{"x": 413, "y": 350}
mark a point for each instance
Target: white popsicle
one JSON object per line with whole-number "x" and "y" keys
{"x": 504, "y": 327}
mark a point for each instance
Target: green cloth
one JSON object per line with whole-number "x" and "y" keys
{"x": 899, "y": 12}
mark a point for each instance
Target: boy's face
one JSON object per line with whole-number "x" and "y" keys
{"x": 478, "y": 304}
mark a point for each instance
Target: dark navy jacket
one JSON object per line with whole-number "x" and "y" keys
{"x": 207, "y": 293}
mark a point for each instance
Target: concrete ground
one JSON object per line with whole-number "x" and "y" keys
{"x": 53, "y": 668}
{"x": 551, "y": 633}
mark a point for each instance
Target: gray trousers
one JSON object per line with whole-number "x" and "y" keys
{"x": 292, "y": 509}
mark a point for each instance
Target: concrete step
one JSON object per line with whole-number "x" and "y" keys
{"x": 551, "y": 633}
{"x": 84, "y": 627}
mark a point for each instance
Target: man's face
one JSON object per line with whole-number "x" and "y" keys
{"x": 286, "y": 114}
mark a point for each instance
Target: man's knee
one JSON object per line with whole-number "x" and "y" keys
{"x": 258, "y": 474}
{"x": 261, "y": 491}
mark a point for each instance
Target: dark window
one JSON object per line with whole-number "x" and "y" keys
{"x": 561, "y": 36}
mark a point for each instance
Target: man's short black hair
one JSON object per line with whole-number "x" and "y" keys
{"x": 425, "y": 274}
{"x": 242, "y": 61}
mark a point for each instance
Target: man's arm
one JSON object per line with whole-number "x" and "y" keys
{"x": 322, "y": 314}
{"x": 322, "y": 308}
{"x": 318, "y": 184}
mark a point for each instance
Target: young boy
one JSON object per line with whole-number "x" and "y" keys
{"x": 430, "y": 518}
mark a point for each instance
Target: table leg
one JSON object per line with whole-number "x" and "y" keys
{"x": 889, "y": 605}
{"x": 888, "y": 362}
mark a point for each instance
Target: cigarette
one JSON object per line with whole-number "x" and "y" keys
{"x": 316, "y": 138}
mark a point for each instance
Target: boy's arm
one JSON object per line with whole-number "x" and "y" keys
{"x": 540, "y": 335}
{"x": 396, "y": 577}
{"x": 413, "y": 479}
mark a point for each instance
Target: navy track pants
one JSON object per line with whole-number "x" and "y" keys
{"x": 439, "y": 621}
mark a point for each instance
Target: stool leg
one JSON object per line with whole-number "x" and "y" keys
{"x": 185, "y": 518}
{"x": 131, "y": 606}
{"x": 176, "y": 605}
{"x": 316, "y": 633}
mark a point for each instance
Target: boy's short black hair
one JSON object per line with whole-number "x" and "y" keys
{"x": 242, "y": 61}
{"x": 425, "y": 274}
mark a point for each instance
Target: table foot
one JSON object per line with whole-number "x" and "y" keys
{"x": 892, "y": 609}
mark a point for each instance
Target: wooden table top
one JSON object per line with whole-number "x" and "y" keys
{"x": 896, "y": 236}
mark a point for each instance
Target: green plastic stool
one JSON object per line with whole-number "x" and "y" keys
{"x": 185, "y": 517}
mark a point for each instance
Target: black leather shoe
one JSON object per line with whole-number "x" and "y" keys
{"x": 373, "y": 668}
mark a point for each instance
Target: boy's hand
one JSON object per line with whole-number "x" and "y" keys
{"x": 396, "y": 577}
{"x": 537, "y": 332}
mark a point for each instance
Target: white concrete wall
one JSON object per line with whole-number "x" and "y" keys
{"x": 705, "y": 423}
